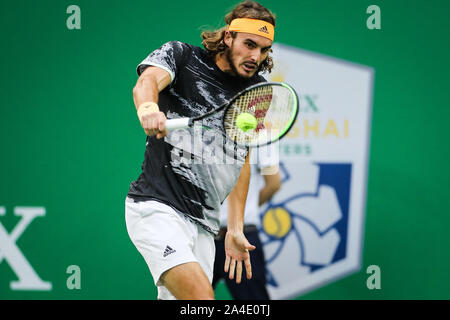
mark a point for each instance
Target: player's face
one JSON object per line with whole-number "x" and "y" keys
{"x": 246, "y": 53}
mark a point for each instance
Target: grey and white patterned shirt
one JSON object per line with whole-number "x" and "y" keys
{"x": 192, "y": 170}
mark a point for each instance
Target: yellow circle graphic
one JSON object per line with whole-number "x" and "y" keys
{"x": 277, "y": 222}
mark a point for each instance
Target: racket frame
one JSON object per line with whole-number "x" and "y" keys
{"x": 172, "y": 124}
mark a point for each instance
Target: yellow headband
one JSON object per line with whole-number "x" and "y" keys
{"x": 259, "y": 27}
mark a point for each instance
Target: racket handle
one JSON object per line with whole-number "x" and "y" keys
{"x": 172, "y": 124}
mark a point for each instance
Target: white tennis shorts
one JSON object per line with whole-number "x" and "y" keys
{"x": 166, "y": 239}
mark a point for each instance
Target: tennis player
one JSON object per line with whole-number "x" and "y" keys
{"x": 172, "y": 210}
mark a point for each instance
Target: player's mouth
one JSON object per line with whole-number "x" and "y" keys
{"x": 249, "y": 67}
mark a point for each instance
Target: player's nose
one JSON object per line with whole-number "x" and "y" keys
{"x": 255, "y": 56}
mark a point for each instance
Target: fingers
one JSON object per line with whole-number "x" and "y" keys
{"x": 161, "y": 123}
{"x": 154, "y": 124}
{"x": 250, "y": 247}
{"x": 162, "y": 134}
{"x": 238, "y": 272}
{"x": 248, "y": 268}
{"x": 227, "y": 263}
{"x": 235, "y": 266}
{"x": 232, "y": 265}
{"x": 232, "y": 268}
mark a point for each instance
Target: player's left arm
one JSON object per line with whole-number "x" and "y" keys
{"x": 272, "y": 184}
{"x": 236, "y": 244}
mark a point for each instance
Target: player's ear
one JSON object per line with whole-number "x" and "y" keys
{"x": 228, "y": 39}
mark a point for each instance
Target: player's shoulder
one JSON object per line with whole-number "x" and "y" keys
{"x": 176, "y": 45}
{"x": 186, "y": 49}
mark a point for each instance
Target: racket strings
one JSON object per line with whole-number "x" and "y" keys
{"x": 281, "y": 112}
{"x": 256, "y": 102}
{"x": 274, "y": 108}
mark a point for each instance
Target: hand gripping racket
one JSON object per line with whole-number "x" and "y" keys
{"x": 259, "y": 115}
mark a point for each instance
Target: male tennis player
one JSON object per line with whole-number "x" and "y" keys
{"x": 172, "y": 209}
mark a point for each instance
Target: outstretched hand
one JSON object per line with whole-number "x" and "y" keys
{"x": 237, "y": 250}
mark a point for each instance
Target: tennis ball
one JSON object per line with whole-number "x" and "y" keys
{"x": 277, "y": 222}
{"x": 246, "y": 121}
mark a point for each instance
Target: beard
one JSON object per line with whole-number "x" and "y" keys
{"x": 230, "y": 59}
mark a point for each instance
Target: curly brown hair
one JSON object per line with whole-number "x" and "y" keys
{"x": 213, "y": 40}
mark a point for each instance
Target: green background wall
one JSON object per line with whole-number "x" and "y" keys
{"x": 70, "y": 140}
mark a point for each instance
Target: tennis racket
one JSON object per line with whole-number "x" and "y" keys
{"x": 259, "y": 115}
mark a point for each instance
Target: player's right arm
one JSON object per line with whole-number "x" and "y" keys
{"x": 145, "y": 96}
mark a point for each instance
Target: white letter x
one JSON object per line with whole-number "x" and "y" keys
{"x": 28, "y": 278}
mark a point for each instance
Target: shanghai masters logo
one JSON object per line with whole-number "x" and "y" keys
{"x": 304, "y": 230}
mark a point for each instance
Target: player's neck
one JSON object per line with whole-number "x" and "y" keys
{"x": 223, "y": 63}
